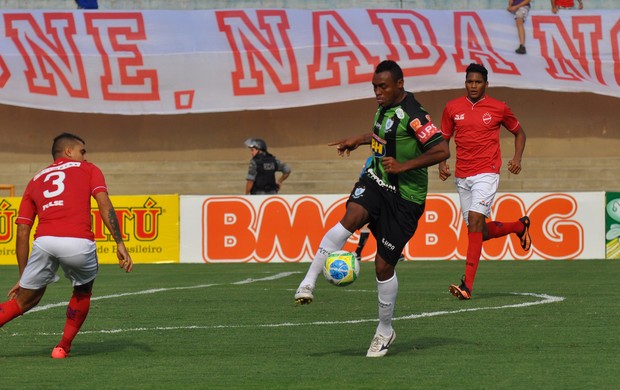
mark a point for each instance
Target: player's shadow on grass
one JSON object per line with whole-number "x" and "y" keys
{"x": 80, "y": 348}
{"x": 400, "y": 346}
{"x": 117, "y": 345}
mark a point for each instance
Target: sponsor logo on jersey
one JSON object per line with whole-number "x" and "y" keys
{"x": 371, "y": 173}
{"x": 426, "y": 132}
{"x": 486, "y": 118}
{"x": 415, "y": 124}
{"x": 53, "y": 203}
{"x": 378, "y": 146}
{"x": 60, "y": 167}
{"x": 459, "y": 117}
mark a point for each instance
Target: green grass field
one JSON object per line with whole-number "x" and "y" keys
{"x": 236, "y": 326}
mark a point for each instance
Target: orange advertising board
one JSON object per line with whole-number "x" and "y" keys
{"x": 289, "y": 228}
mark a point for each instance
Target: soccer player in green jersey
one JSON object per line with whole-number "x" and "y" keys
{"x": 390, "y": 194}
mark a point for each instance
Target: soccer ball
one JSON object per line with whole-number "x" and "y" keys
{"x": 341, "y": 268}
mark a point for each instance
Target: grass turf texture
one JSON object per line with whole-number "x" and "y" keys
{"x": 193, "y": 326}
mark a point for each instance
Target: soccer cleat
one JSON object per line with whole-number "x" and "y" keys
{"x": 59, "y": 353}
{"x": 526, "y": 240}
{"x": 380, "y": 344}
{"x": 461, "y": 291}
{"x": 303, "y": 295}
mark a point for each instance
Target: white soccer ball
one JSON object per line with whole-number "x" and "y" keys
{"x": 341, "y": 268}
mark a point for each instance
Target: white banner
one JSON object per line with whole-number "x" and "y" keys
{"x": 289, "y": 228}
{"x": 171, "y": 62}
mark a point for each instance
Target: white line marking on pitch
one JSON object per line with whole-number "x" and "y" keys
{"x": 545, "y": 299}
{"x": 157, "y": 290}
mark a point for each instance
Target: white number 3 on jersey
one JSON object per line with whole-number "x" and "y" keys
{"x": 57, "y": 180}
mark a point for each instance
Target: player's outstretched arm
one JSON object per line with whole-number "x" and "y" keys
{"x": 351, "y": 143}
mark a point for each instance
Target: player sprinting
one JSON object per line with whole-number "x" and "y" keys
{"x": 59, "y": 196}
{"x": 390, "y": 194}
{"x": 474, "y": 121}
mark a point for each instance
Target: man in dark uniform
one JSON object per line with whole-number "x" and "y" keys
{"x": 261, "y": 178}
{"x": 390, "y": 194}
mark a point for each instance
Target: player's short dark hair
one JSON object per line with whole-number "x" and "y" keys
{"x": 477, "y": 68}
{"x": 392, "y": 67}
{"x": 62, "y": 141}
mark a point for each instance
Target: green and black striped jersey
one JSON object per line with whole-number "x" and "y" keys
{"x": 404, "y": 132}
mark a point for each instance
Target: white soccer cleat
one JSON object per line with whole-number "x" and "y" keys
{"x": 380, "y": 344}
{"x": 303, "y": 295}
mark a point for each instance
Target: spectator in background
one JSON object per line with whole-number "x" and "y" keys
{"x": 564, "y": 4}
{"x": 59, "y": 196}
{"x": 261, "y": 178}
{"x": 87, "y": 4}
{"x": 520, "y": 9}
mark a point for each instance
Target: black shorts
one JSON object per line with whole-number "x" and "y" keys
{"x": 393, "y": 220}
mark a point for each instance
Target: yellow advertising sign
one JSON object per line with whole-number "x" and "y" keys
{"x": 149, "y": 225}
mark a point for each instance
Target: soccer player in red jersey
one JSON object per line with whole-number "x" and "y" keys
{"x": 60, "y": 196}
{"x": 474, "y": 121}
{"x": 564, "y": 4}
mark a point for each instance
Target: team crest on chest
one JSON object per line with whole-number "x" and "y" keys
{"x": 486, "y": 118}
{"x": 388, "y": 125}
{"x": 400, "y": 114}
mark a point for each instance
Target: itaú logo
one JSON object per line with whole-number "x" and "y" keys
{"x": 141, "y": 223}
{"x": 7, "y": 221}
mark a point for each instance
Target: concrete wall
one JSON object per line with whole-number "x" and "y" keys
{"x": 204, "y": 153}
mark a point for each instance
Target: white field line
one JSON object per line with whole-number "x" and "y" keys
{"x": 157, "y": 290}
{"x": 544, "y": 299}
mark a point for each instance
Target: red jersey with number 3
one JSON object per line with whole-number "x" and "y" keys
{"x": 60, "y": 196}
{"x": 475, "y": 127}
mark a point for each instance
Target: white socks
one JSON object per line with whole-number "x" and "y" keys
{"x": 387, "y": 290}
{"x": 333, "y": 240}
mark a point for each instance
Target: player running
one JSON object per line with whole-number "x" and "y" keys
{"x": 474, "y": 121}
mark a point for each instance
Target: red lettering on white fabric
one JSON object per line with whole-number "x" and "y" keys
{"x": 615, "y": 49}
{"x": 565, "y": 60}
{"x": 472, "y": 44}
{"x": 260, "y": 47}
{"x": 49, "y": 55}
{"x": 339, "y": 56}
{"x": 5, "y": 73}
{"x": 124, "y": 78}
{"x": 410, "y": 37}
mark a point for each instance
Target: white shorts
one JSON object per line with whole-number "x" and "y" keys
{"x": 76, "y": 256}
{"x": 477, "y": 193}
{"x": 521, "y": 13}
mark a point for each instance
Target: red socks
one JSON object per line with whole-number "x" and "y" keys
{"x": 76, "y": 315}
{"x": 9, "y": 310}
{"x": 500, "y": 229}
{"x": 474, "y": 251}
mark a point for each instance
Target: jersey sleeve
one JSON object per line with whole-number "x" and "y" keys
{"x": 97, "y": 181}
{"x": 447, "y": 123}
{"x": 510, "y": 121}
{"x": 27, "y": 209}
{"x": 425, "y": 130}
